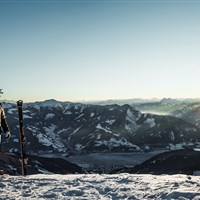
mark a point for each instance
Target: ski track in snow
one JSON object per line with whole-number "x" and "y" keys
{"x": 101, "y": 187}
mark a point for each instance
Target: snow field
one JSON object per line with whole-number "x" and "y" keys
{"x": 101, "y": 187}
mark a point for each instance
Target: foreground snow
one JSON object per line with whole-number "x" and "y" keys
{"x": 94, "y": 186}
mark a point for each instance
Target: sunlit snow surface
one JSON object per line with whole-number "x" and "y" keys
{"x": 94, "y": 186}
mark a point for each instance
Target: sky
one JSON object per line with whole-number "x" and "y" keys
{"x": 101, "y": 49}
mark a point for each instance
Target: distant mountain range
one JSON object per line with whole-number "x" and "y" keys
{"x": 121, "y": 101}
{"x": 140, "y": 101}
{"x": 54, "y": 127}
{"x": 187, "y": 109}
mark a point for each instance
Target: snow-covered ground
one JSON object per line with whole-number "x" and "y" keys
{"x": 101, "y": 187}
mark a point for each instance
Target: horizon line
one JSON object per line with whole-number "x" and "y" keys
{"x": 103, "y": 100}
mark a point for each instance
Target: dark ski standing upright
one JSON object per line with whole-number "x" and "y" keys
{"x": 22, "y": 138}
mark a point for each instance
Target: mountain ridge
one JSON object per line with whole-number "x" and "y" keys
{"x": 67, "y": 128}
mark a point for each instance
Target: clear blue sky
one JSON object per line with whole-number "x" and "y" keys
{"x": 89, "y": 50}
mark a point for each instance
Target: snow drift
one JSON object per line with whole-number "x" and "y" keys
{"x": 102, "y": 187}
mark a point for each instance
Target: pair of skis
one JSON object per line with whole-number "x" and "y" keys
{"x": 22, "y": 139}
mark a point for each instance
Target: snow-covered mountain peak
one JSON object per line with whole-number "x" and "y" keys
{"x": 168, "y": 101}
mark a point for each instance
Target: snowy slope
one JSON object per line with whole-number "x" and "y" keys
{"x": 101, "y": 187}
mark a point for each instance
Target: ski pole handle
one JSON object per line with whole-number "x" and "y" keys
{"x": 20, "y": 113}
{"x": 20, "y": 103}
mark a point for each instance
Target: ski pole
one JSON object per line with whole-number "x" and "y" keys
{"x": 23, "y": 160}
